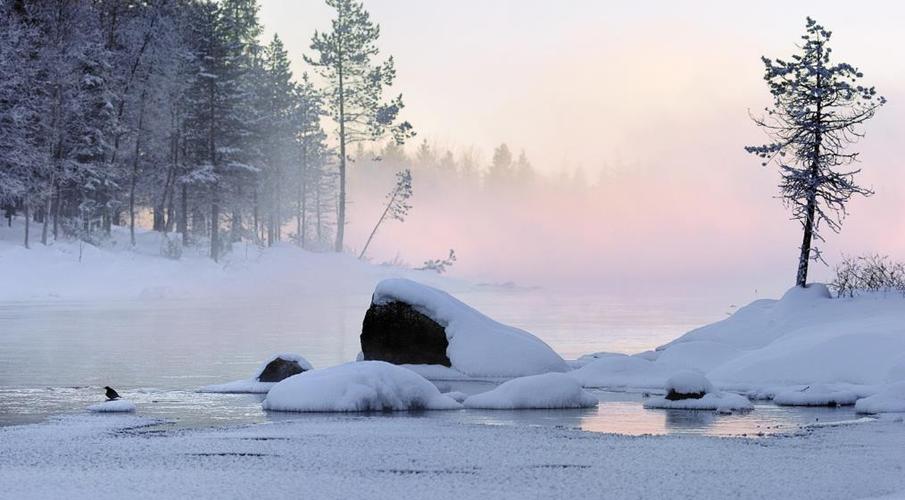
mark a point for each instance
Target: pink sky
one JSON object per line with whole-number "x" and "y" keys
{"x": 651, "y": 96}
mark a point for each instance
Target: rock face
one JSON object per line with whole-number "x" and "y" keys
{"x": 278, "y": 369}
{"x": 396, "y": 333}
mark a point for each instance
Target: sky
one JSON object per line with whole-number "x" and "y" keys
{"x": 653, "y": 98}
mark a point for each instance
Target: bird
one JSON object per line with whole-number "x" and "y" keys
{"x": 111, "y": 394}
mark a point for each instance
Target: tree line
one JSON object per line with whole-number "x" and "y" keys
{"x": 114, "y": 108}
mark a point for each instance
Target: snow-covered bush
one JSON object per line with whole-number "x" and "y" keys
{"x": 439, "y": 265}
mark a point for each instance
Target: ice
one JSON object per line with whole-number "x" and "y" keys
{"x": 891, "y": 399}
{"x": 357, "y": 386}
{"x": 478, "y": 345}
{"x": 115, "y": 406}
{"x": 550, "y": 390}
{"x": 816, "y": 395}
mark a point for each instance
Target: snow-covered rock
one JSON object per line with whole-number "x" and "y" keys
{"x": 687, "y": 384}
{"x": 477, "y": 345}
{"x": 271, "y": 369}
{"x": 719, "y": 401}
{"x": 550, "y": 390}
{"x": 816, "y": 395}
{"x": 890, "y": 399}
{"x": 357, "y": 386}
{"x": 114, "y": 406}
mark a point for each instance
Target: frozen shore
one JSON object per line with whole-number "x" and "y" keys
{"x": 406, "y": 457}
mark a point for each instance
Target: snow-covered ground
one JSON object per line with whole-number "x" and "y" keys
{"x": 405, "y": 457}
{"x": 67, "y": 269}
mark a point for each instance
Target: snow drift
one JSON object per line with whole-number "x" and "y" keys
{"x": 478, "y": 345}
{"x": 550, "y": 390}
{"x": 891, "y": 399}
{"x": 357, "y": 386}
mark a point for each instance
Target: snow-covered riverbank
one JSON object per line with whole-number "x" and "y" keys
{"x": 405, "y": 457}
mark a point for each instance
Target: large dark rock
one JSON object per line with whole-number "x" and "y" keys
{"x": 279, "y": 369}
{"x": 396, "y": 333}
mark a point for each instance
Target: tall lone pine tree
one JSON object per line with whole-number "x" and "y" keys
{"x": 355, "y": 88}
{"x": 818, "y": 107}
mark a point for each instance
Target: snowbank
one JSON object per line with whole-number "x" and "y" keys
{"x": 478, "y": 345}
{"x": 69, "y": 270}
{"x": 253, "y": 385}
{"x": 816, "y": 395}
{"x": 889, "y": 400}
{"x": 115, "y": 406}
{"x": 357, "y": 386}
{"x": 772, "y": 347}
{"x": 550, "y": 390}
{"x": 719, "y": 401}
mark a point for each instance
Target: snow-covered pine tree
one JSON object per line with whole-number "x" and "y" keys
{"x": 355, "y": 88}
{"x": 818, "y": 109}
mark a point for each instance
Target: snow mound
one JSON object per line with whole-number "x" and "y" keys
{"x": 357, "y": 386}
{"x": 722, "y": 402}
{"x": 891, "y": 399}
{"x": 478, "y": 345}
{"x": 253, "y": 385}
{"x": 688, "y": 382}
{"x": 620, "y": 371}
{"x": 816, "y": 395}
{"x": 457, "y": 395}
{"x": 115, "y": 406}
{"x": 804, "y": 338}
{"x": 550, "y": 390}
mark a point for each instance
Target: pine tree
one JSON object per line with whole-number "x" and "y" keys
{"x": 356, "y": 84}
{"x": 818, "y": 109}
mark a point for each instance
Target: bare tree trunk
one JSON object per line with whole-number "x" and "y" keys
{"x": 215, "y": 225}
{"x": 27, "y": 223}
{"x": 341, "y": 210}
{"x": 47, "y": 211}
{"x": 184, "y": 215}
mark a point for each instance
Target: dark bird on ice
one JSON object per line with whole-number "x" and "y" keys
{"x": 111, "y": 394}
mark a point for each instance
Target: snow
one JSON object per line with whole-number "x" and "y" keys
{"x": 718, "y": 401}
{"x": 890, "y": 399}
{"x": 357, "y": 386}
{"x": 623, "y": 372}
{"x": 772, "y": 347}
{"x": 115, "y": 406}
{"x": 68, "y": 270}
{"x": 253, "y": 385}
{"x": 550, "y": 390}
{"x": 402, "y": 456}
{"x": 689, "y": 382}
{"x": 478, "y": 345}
{"x": 457, "y": 395}
{"x": 816, "y": 395}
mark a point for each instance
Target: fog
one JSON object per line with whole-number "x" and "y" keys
{"x": 649, "y": 104}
